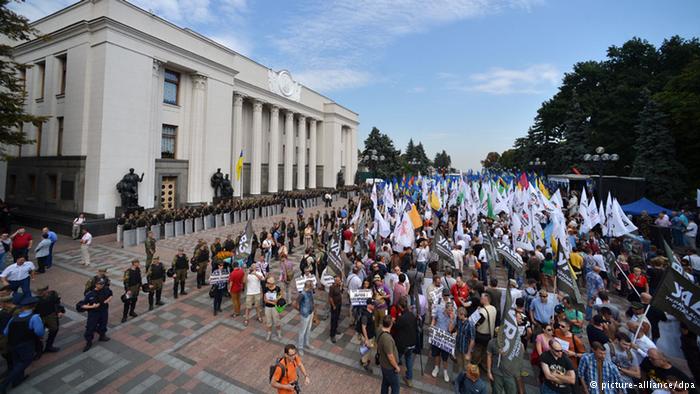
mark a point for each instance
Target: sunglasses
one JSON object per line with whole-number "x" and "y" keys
{"x": 548, "y": 329}
{"x": 557, "y": 350}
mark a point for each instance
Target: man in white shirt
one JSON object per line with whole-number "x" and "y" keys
{"x": 694, "y": 260}
{"x": 77, "y": 224}
{"x": 18, "y": 275}
{"x": 85, "y": 242}
{"x": 662, "y": 220}
{"x": 457, "y": 257}
{"x": 484, "y": 261}
{"x": 691, "y": 233}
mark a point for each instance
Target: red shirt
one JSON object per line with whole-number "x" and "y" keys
{"x": 638, "y": 281}
{"x": 347, "y": 235}
{"x": 236, "y": 280}
{"x": 460, "y": 292}
{"x": 21, "y": 241}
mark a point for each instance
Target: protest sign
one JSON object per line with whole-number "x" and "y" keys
{"x": 359, "y": 297}
{"x": 441, "y": 339}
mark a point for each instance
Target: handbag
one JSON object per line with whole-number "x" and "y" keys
{"x": 483, "y": 339}
{"x": 212, "y": 292}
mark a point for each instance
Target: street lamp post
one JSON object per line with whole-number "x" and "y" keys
{"x": 536, "y": 164}
{"x": 599, "y": 160}
{"x": 373, "y": 160}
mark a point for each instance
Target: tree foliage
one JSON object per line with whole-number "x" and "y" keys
{"x": 443, "y": 162}
{"x": 655, "y": 158}
{"x": 415, "y": 153}
{"x": 600, "y": 103}
{"x": 384, "y": 146}
{"x": 491, "y": 159}
{"x": 12, "y": 93}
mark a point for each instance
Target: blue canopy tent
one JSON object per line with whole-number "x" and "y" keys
{"x": 643, "y": 204}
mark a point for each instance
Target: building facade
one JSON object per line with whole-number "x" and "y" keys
{"x": 123, "y": 88}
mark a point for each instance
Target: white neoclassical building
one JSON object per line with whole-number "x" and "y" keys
{"x": 123, "y": 88}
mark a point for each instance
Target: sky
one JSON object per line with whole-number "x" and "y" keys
{"x": 464, "y": 76}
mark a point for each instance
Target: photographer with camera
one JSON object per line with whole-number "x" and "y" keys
{"x": 284, "y": 375}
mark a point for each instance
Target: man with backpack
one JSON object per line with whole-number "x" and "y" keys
{"x": 284, "y": 374}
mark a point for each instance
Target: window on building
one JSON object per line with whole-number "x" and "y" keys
{"x": 53, "y": 187}
{"x": 171, "y": 87}
{"x": 41, "y": 69}
{"x": 23, "y": 78}
{"x": 39, "y": 132}
{"x": 59, "y": 148}
{"x": 32, "y": 184}
{"x": 62, "y": 63}
{"x": 12, "y": 185}
{"x": 168, "y": 142}
{"x": 67, "y": 191}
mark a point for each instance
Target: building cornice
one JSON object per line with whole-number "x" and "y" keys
{"x": 255, "y": 92}
{"x": 108, "y": 23}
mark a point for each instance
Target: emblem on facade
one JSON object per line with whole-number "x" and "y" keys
{"x": 281, "y": 82}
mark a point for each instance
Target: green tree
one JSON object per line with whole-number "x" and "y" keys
{"x": 13, "y": 27}
{"x": 443, "y": 162}
{"x": 415, "y": 154}
{"x": 508, "y": 159}
{"x": 655, "y": 159}
{"x": 575, "y": 142}
{"x": 491, "y": 159}
{"x": 384, "y": 146}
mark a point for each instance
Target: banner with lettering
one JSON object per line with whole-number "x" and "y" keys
{"x": 681, "y": 298}
{"x": 245, "y": 245}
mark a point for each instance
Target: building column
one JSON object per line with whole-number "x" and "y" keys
{"x": 196, "y": 178}
{"x": 301, "y": 160}
{"x": 273, "y": 162}
{"x": 148, "y": 193}
{"x": 312, "y": 154}
{"x": 256, "y": 154}
{"x": 347, "y": 157}
{"x": 237, "y": 139}
{"x": 332, "y": 131}
{"x": 289, "y": 151}
{"x": 353, "y": 153}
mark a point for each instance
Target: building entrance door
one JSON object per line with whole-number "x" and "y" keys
{"x": 167, "y": 192}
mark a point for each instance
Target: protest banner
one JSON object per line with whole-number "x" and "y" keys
{"x": 359, "y": 297}
{"x": 441, "y": 339}
{"x": 679, "y": 297}
{"x": 300, "y": 282}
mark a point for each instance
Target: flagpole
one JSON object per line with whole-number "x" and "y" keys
{"x": 641, "y": 323}
{"x": 628, "y": 279}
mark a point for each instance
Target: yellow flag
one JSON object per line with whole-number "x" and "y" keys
{"x": 543, "y": 189}
{"x": 434, "y": 201}
{"x": 239, "y": 166}
{"x": 415, "y": 217}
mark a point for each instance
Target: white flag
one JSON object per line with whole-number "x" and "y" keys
{"x": 358, "y": 211}
{"x": 621, "y": 224}
{"x": 403, "y": 233}
{"x": 382, "y": 225}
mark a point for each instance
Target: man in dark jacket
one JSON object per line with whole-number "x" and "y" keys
{"x": 406, "y": 334}
{"x": 132, "y": 286}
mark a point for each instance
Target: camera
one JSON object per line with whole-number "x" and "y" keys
{"x": 297, "y": 389}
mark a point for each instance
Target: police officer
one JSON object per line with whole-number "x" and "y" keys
{"x": 156, "y": 276}
{"x": 180, "y": 266}
{"x": 132, "y": 285}
{"x": 202, "y": 259}
{"x": 50, "y": 310}
{"x": 150, "y": 245}
{"x": 22, "y": 332}
{"x": 101, "y": 274}
{"x": 7, "y": 310}
{"x": 96, "y": 303}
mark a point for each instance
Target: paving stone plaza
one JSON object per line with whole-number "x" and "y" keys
{"x": 181, "y": 347}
